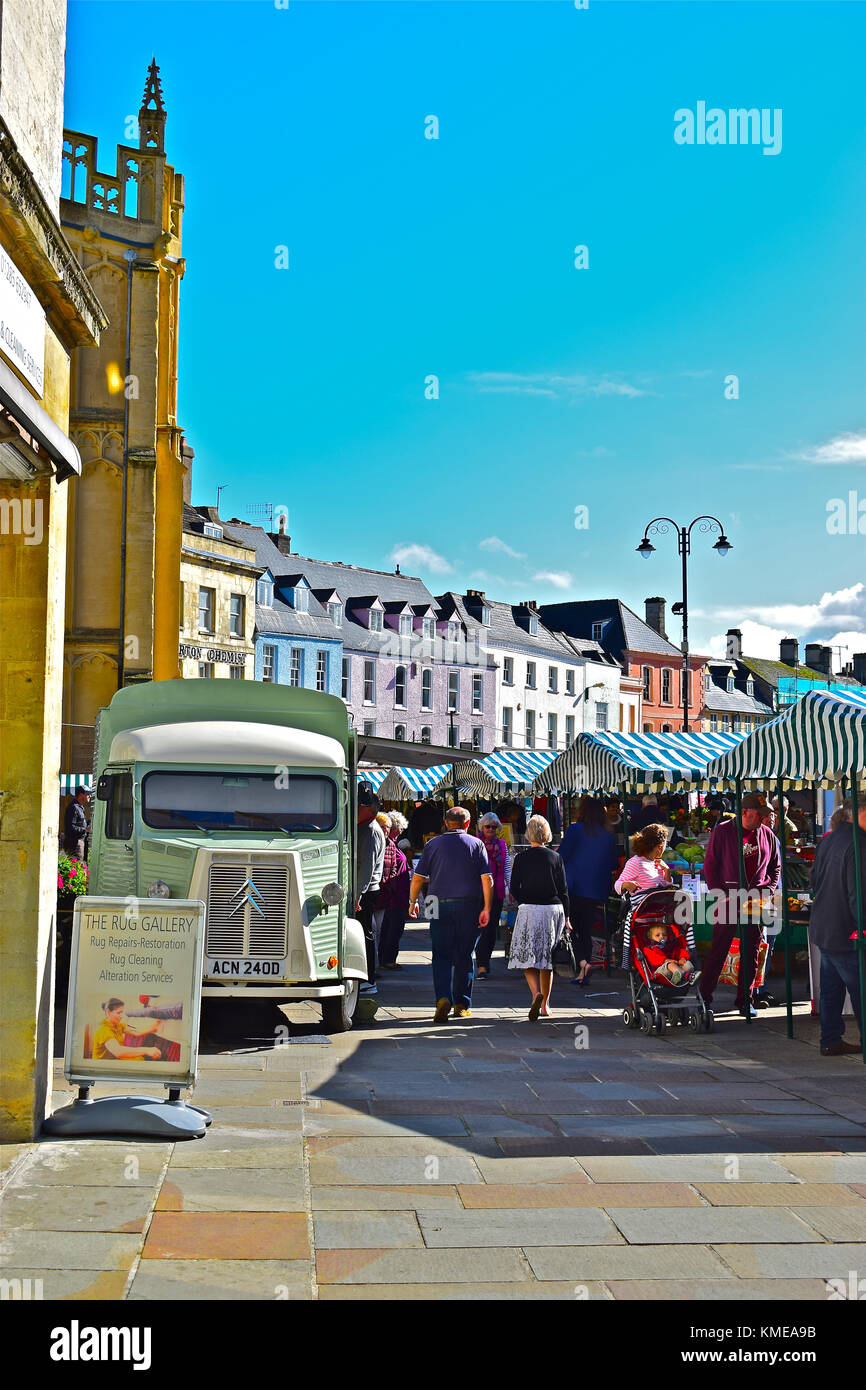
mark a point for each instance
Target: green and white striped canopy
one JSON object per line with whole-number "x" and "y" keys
{"x": 603, "y": 761}
{"x": 71, "y": 781}
{"x": 491, "y": 775}
{"x": 820, "y": 739}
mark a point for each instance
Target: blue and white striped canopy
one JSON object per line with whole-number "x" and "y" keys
{"x": 820, "y": 739}
{"x": 602, "y": 761}
{"x": 491, "y": 775}
{"x": 411, "y": 783}
{"x": 374, "y": 775}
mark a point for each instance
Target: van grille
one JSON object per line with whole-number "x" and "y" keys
{"x": 247, "y": 910}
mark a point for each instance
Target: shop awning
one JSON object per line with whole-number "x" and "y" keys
{"x": 820, "y": 739}
{"x": 71, "y": 781}
{"x": 491, "y": 775}
{"x": 27, "y": 411}
{"x": 602, "y": 761}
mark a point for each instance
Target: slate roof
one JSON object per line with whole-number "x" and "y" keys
{"x": 356, "y": 587}
{"x": 738, "y": 701}
{"x": 587, "y": 649}
{"x": 504, "y": 629}
{"x": 193, "y": 523}
{"x": 626, "y": 632}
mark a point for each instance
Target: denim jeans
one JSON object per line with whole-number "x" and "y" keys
{"x": 839, "y": 971}
{"x": 454, "y": 935}
{"x": 487, "y": 939}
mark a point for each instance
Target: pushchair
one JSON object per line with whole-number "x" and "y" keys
{"x": 654, "y": 1002}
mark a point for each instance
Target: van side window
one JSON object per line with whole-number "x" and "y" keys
{"x": 118, "y": 812}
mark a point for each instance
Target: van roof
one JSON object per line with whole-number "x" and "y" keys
{"x": 235, "y": 703}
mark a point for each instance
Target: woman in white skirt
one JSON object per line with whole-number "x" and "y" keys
{"x": 539, "y": 888}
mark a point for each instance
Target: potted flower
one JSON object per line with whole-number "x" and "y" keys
{"x": 72, "y": 877}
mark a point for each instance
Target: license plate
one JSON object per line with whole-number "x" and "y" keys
{"x": 224, "y": 968}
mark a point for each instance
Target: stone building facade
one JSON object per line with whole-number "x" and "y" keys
{"x": 217, "y": 601}
{"x": 549, "y": 687}
{"x": 49, "y": 310}
{"x": 124, "y": 546}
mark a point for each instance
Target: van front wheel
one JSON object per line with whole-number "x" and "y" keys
{"x": 338, "y": 1014}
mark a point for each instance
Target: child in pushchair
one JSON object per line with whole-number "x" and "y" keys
{"x": 655, "y": 952}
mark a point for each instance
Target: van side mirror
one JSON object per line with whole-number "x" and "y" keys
{"x": 103, "y": 788}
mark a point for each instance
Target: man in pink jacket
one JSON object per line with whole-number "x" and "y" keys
{"x": 722, "y": 873}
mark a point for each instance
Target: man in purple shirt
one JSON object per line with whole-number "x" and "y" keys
{"x": 455, "y": 868}
{"x": 722, "y": 874}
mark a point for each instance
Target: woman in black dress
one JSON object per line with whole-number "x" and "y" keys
{"x": 538, "y": 887}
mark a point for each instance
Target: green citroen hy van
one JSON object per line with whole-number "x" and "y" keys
{"x": 243, "y": 795}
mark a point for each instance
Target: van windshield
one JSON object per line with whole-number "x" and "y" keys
{"x": 290, "y": 802}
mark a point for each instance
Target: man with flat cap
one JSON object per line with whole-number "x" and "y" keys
{"x": 722, "y": 874}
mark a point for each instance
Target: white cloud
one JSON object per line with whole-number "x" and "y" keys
{"x": 494, "y": 543}
{"x": 559, "y": 579}
{"x": 837, "y": 619}
{"x": 487, "y": 578}
{"x": 421, "y": 557}
{"x": 560, "y": 386}
{"x": 842, "y": 448}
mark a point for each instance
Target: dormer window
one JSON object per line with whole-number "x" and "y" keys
{"x": 485, "y": 615}
{"x": 731, "y": 684}
{"x": 453, "y": 630}
{"x": 708, "y": 680}
{"x": 375, "y": 623}
{"x": 335, "y": 613}
{"x": 750, "y": 686}
{"x": 533, "y": 625}
{"x": 265, "y": 593}
{"x": 301, "y": 602}
{"x": 405, "y": 625}
{"x": 210, "y": 529}
{"x": 428, "y": 628}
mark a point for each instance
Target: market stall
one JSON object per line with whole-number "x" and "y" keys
{"x": 411, "y": 783}
{"x": 607, "y": 761}
{"x": 507, "y": 769}
{"x": 818, "y": 742}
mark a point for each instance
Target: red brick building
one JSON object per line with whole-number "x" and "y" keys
{"x": 643, "y": 650}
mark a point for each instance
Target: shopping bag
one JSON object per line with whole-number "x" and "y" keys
{"x": 562, "y": 955}
{"x": 731, "y": 969}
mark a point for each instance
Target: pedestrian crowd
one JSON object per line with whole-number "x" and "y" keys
{"x": 464, "y": 881}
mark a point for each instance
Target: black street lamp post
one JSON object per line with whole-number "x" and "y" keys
{"x": 660, "y": 526}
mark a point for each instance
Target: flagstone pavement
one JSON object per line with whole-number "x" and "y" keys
{"x": 491, "y": 1158}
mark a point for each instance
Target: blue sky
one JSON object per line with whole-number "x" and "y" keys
{"x": 410, "y": 257}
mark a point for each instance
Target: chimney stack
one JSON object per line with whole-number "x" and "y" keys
{"x": 655, "y": 615}
{"x": 280, "y": 539}
{"x": 859, "y": 667}
{"x": 734, "y": 644}
{"x": 820, "y": 658}
{"x": 789, "y": 649}
{"x": 187, "y": 455}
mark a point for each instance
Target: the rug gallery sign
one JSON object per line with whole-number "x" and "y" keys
{"x": 135, "y": 990}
